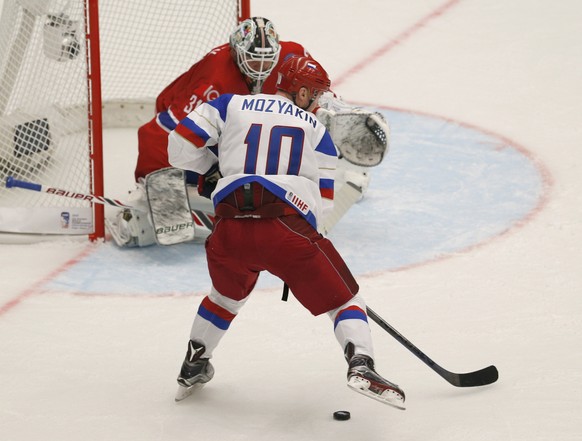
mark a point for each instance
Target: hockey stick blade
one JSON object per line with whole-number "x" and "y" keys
{"x": 481, "y": 377}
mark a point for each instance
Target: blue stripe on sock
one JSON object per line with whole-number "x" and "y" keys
{"x": 350, "y": 314}
{"x": 213, "y": 318}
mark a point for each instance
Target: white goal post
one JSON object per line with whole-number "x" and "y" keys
{"x": 68, "y": 69}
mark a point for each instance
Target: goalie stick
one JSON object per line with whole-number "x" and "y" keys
{"x": 11, "y": 182}
{"x": 347, "y": 196}
{"x": 481, "y": 377}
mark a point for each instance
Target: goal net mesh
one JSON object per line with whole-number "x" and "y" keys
{"x": 44, "y": 99}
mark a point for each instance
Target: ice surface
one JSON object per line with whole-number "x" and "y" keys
{"x": 471, "y": 246}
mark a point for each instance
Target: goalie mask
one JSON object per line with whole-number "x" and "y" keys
{"x": 255, "y": 48}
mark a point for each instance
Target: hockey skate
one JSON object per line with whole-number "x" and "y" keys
{"x": 196, "y": 371}
{"x": 131, "y": 228}
{"x": 363, "y": 379}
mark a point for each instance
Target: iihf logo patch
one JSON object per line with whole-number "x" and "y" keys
{"x": 65, "y": 219}
{"x": 297, "y": 202}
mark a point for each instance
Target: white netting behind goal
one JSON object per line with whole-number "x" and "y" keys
{"x": 44, "y": 131}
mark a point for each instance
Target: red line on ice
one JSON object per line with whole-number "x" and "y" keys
{"x": 396, "y": 41}
{"x": 36, "y": 288}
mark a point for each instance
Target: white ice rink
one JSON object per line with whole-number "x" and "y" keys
{"x": 469, "y": 242}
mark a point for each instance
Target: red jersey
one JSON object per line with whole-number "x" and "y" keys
{"x": 213, "y": 75}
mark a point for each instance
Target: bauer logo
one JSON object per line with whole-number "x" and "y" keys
{"x": 69, "y": 194}
{"x": 173, "y": 228}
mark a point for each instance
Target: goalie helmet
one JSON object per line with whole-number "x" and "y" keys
{"x": 255, "y": 48}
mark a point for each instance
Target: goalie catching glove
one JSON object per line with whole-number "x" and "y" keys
{"x": 361, "y": 136}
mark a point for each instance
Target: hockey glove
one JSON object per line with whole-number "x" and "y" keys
{"x": 207, "y": 182}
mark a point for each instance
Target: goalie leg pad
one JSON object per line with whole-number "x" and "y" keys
{"x": 169, "y": 206}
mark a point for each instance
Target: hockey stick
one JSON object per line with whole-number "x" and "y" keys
{"x": 11, "y": 182}
{"x": 347, "y": 196}
{"x": 203, "y": 218}
{"x": 481, "y": 377}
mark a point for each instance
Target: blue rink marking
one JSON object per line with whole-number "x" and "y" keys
{"x": 443, "y": 187}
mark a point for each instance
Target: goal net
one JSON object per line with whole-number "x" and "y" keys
{"x": 56, "y": 63}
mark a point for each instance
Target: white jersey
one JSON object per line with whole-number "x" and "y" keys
{"x": 261, "y": 138}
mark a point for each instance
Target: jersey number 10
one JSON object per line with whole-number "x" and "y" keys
{"x": 272, "y": 156}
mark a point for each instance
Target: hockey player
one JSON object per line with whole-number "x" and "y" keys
{"x": 242, "y": 66}
{"x": 277, "y": 163}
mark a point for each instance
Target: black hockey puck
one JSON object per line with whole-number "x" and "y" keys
{"x": 341, "y": 415}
